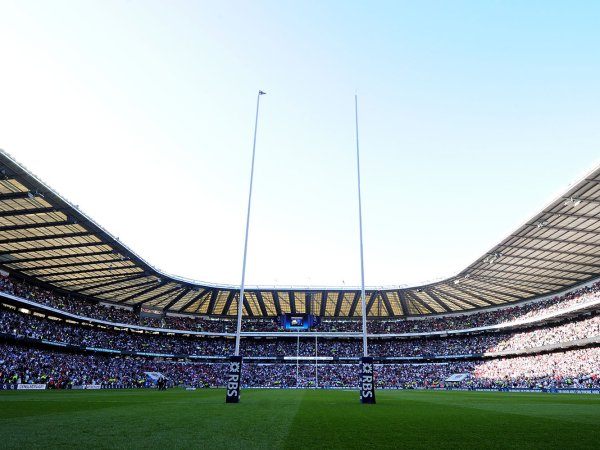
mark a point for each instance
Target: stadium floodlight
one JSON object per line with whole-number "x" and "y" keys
{"x": 491, "y": 259}
{"x": 464, "y": 278}
{"x": 572, "y": 202}
{"x": 234, "y": 377}
{"x": 367, "y": 382}
{"x": 34, "y": 194}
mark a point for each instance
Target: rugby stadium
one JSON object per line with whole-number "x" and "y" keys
{"x": 387, "y": 299}
{"x": 506, "y": 353}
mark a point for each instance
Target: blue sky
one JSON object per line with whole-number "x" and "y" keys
{"x": 473, "y": 115}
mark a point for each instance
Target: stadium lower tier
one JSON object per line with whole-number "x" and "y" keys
{"x": 570, "y": 369}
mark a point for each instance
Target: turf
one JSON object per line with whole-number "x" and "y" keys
{"x": 292, "y": 419}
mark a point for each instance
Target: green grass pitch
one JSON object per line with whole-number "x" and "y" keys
{"x": 293, "y": 419}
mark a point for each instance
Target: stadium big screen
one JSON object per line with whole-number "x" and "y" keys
{"x": 298, "y": 321}
{"x": 144, "y": 311}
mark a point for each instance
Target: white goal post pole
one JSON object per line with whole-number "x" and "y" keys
{"x": 241, "y": 297}
{"x": 362, "y": 263}
{"x": 367, "y": 380}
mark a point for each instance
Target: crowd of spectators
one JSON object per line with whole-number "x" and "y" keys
{"x": 110, "y": 313}
{"x": 30, "y": 326}
{"x": 460, "y": 321}
{"x": 571, "y": 369}
{"x": 20, "y": 325}
{"x": 23, "y": 363}
{"x": 125, "y": 315}
{"x": 539, "y": 337}
{"x": 576, "y": 368}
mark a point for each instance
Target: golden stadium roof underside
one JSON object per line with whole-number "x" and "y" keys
{"x": 46, "y": 239}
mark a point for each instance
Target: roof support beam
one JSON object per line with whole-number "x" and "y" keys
{"x": 96, "y": 286}
{"x": 543, "y": 268}
{"x": 587, "y": 200}
{"x": 200, "y": 295}
{"x": 436, "y": 299}
{"x": 26, "y": 212}
{"x": 123, "y": 288}
{"x": 292, "y": 302}
{"x": 52, "y": 248}
{"x": 512, "y": 286}
{"x": 554, "y": 261}
{"x": 17, "y": 195}
{"x": 143, "y": 291}
{"x": 160, "y": 294}
{"x": 178, "y": 297}
{"x": 307, "y": 303}
{"x": 277, "y": 303}
{"x": 531, "y": 284}
{"x": 371, "y": 301}
{"x": 500, "y": 294}
{"x": 498, "y": 269}
{"x": 462, "y": 300}
{"x": 74, "y": 264}
{"x": 30, "y": 226}
{"x": 388, "y": 305}
{"x": 554, "y": 240}
{"x": 228, "y": 302}
{"x": 552, "y": 214}
{"x": 213, "y": 300}
{"x": 64, "y": 256}
{"x": 181, "y": 293}
{"x": 232, "y": 294}
{"x": 416, "y": 299}
{"x": 532, "y": 237}
{"x": 247, "y": 307}
{"x": 480, "y": 298}
{"x": 569, "y": 230}
{"x": 47, "y": 237}
{"x": 261, "y": 304}
{"x": 49, "y": 278}
{"x": 354, "y": 304}
{"x": 323, "y": 308}
{"x": 338, "y": 304}
{"x": 205, "y": 298}
{"x": 537, "y": 249}
{"x": 403, "y": 303}
{"x": 115, "y": 270}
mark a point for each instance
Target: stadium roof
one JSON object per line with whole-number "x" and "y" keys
{"x": 46, "y": 239}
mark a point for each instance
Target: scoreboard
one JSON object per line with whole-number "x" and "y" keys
{"x": 148, "y": 311}
{"x": 298, "y": 321}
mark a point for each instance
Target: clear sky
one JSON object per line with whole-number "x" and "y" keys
{"x": 473, "y": 115}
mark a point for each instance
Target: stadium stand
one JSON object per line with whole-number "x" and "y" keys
{"x": 524, "y": 315}
{"x": 572, "y": 369}
{"x": 139, "y": 351}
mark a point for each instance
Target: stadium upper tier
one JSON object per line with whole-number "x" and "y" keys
{"x": 45, "y": 239}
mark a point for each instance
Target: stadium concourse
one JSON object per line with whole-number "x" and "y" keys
{"x": 77, "y": 307}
